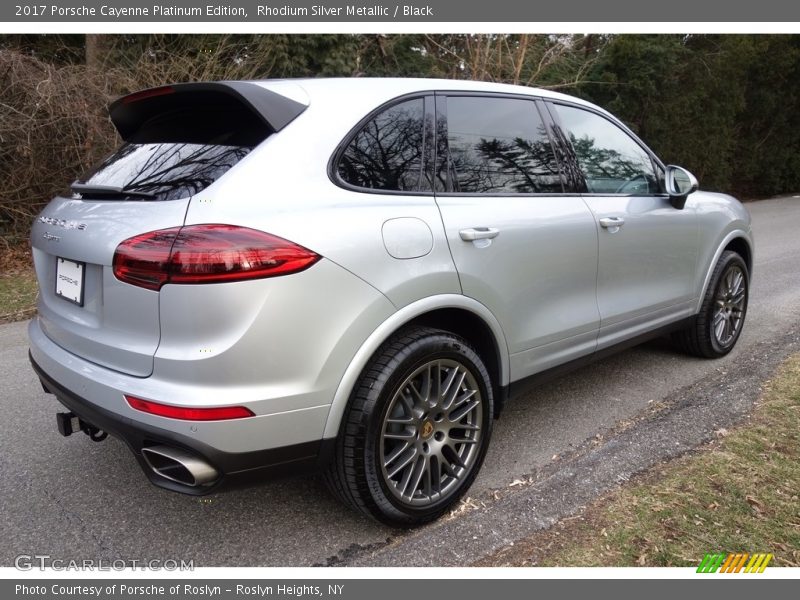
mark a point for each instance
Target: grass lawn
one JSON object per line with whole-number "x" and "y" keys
{"x": 738, "y": 494}
{"x": 18, "y": 289}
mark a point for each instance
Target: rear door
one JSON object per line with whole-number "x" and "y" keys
{"x": 178, "y": 141}
{"x": 647, "y": 248}
{"x": 521, "y": 247}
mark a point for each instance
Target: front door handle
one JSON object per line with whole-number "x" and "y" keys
{"x": 612, "y": 222}
{"x": 478, "y": 233}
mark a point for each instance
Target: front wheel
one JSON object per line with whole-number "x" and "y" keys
{"x": 719, "y": 323}
{"x": 417, "y": 428}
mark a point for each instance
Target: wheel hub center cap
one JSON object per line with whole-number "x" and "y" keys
{"x": 426, "y": 430}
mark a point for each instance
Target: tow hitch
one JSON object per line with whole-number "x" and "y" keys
{"x": 69, "y": 423}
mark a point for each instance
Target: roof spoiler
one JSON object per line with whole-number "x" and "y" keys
{"x": 236, "y": 112}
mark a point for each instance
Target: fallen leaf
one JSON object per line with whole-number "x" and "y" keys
{"x": 755, "y": 503}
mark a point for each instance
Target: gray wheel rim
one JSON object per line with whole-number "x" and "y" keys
{"x": 729, "y": 306}
{"x": 432, "y": 432}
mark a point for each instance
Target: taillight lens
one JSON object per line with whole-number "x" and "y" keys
{"x": 206, "y": 254}
{"x": 216, "y": 413}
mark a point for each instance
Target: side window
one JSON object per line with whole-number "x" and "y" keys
{"x": 386, "y": 154}
{"x": 610, "y": 160}
{"x": 499, "y": 145}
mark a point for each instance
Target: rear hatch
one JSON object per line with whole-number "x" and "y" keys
{"x": 178, "y": 140}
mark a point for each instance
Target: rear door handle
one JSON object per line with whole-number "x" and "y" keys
{"x": 478, "y": 233}
{"x": 609, "y": 222}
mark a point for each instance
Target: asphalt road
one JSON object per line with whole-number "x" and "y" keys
{"x": 75, "y": 499}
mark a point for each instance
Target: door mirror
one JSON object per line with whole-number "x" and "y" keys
{"x": 679, "y": 183}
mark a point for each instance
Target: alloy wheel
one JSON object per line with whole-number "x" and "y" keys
{"x": 431, "y": 434}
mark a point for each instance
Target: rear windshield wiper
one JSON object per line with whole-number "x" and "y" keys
{"x": 108, "y": 191}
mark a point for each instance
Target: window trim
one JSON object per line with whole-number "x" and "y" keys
{"x": 655, "y": 161}
{"x": 333, "y": 162}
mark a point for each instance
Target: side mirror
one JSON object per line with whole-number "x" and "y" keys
{"x": 679, "y": 183}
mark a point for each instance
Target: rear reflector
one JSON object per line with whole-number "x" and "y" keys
{"x": 198, "y": 254}
{"x": 218, "y": 413}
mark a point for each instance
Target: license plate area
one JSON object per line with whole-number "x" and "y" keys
{"x": 70, "y": 280}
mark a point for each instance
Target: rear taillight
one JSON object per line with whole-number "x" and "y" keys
{"x": 216, "y": 413}
{"x": 206, "y": 254}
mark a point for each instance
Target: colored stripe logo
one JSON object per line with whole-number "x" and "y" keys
{"x": 739, "y": 562}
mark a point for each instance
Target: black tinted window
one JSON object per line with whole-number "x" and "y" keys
{"x": 386, "y": 154}
{"x": 610, "y": 160}
{"x": 499, "y": 145}
{"x": 163, "y": 171}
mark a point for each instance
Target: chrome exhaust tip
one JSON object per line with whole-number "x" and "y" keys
{"x": 179, "y": 466}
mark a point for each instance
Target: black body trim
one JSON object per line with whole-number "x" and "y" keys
{"x": 522, "y": 386}
{"x": 236, "y": 468}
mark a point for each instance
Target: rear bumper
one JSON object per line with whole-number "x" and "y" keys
{"x": 241, "y": 450}
{"x": 239, "y": 468}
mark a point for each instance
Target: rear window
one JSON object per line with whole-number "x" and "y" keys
{"x": 158, "y": 171}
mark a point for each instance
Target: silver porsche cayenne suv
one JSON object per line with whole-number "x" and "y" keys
{"x": 353, "y": 275}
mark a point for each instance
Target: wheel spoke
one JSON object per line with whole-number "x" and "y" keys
{"x": 407, "y": 475}
{"x": 452, "y": 456}
{"x": 419, "y": 398}
{"x": 406, "y": 401}
{"x": 463, "y": 408}
{"x": 395, "y": 454}
{"x": 427, "y": 484}
{"x": 719, "y": 327}
{"x": 448, "y": 468}
{"x": 448, "y": 385}
{"x": 454, "y": 441}
{"x": 420, "y": 467}
{"x": 412, "y": 452}
{"x": 729, "y": 281}
{"x": 467, "y": 427}
{"x": 400, "y": 435}
{"x": 738, "y": 279}
{"x": 404, "y": 487}
{"x": 436, "y": 380}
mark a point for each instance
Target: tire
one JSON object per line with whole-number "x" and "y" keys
{"x": 405, "y": 455}
{"x": 718, "y": 325}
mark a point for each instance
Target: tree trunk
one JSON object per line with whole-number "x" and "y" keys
{"x": 96, "y": 50}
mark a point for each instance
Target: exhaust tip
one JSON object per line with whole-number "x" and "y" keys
{"x": 179, "y": 465}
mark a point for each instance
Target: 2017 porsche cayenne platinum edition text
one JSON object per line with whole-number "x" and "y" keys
{"x": 353, "y": 275}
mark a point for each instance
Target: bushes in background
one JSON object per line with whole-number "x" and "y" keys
{"x": 725, "y": 106}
